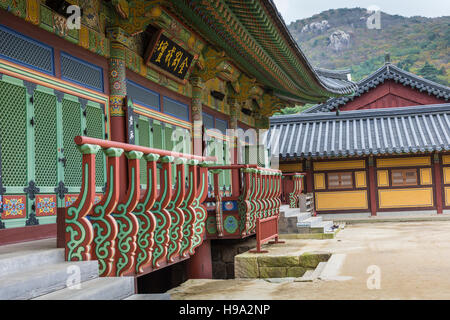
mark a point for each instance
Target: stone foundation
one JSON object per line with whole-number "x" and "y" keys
{"x": 223, "y": 253}
{"x": 250, "y": 265}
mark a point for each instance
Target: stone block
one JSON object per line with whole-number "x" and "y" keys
{"x": 246, "y": 266}
{"x": 272, "y": 272}
{"x": 296, "y": 272}
{"x": 312, "y": 259}
{"x": 278, "y": 261}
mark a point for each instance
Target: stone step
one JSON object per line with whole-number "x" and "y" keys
{"x": 318, "y": 270}
{"x": 28, "y": 256}
{"x": 332, "y": 269}
{"x": 289, "y": 212}
{"x": 320, "y": 227}
{"x": 311, "y": 275}
{"x": 303, "y": 216}
{"x": 153, "y": 296}
{"x": 44, "y": 279}
{"x": 106, "y": 288}
{"x": 307, "y": 277}
{"x": 310, "y": 222}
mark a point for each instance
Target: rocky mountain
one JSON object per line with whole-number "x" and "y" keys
{"x": 357, "y": 39}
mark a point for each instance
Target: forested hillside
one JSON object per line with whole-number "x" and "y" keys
{"x": 337, "y": 39}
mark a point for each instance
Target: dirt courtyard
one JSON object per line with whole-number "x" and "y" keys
{"x": 410, "y": 260}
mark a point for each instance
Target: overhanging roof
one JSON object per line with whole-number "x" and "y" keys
{"x": 386, "y": 72}
{"x": 253, "y": 34}
{"x": 365, "y": 132}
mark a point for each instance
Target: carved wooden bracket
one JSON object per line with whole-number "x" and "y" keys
{"x": 135, "y": 15}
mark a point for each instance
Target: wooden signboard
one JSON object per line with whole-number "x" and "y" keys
{"x": 169, "y": 56}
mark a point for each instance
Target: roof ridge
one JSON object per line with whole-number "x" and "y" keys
{"x": 388, "y": 71}
{"x": 365, "y": 113}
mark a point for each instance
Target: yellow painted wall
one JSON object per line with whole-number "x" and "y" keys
{"x": 339, "y": 165}
{"x": 403, "y": 162}
{"x": 405, "y": 198}
{"x": 446, "y": 159}
{"x": 447, "y": 175}
{"x": 447, "y": 196}
{"x": 360, "y": 179}
{"x": 291, "y": 167}
{"x": 383, "y": 178}
{"x": 341, "y": 200}
{"x": 425, "y": 176}
{"x": 319, "y": 181}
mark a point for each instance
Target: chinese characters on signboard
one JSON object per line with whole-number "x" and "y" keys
{"x": 171, "y": 57}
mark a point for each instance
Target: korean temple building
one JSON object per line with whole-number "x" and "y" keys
{"x": 89, "y": 112}
{"x": 383, "y": 149}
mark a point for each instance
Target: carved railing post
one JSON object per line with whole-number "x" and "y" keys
{"x": 105, "y": 226}
{"x": 259, "y": 204}
{"x": 244, "y": 201}
{"x": 126, "y": 220}
{"x": 271, "y": 195}
{"x": 78, "y": 229}
{"x": 176, "y": 213}
{"x": 278, "y": 195}
{"x": 294, "y": 195}
{"x": 253, "y": 196}
{"x": 147, "y": 221}
{"x": 188, "y": 210}
{"x": 218, "y": 196}
{"x": 200, "y": 210}
{"x": 264, "y": 197}
{"x": 162, "y": 216}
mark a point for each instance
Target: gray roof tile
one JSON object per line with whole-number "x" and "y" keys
{"x": 376, "y": 131}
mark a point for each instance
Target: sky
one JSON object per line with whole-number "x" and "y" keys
{"x": 292, "y": 10}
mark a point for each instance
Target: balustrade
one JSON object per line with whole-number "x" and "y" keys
{"x": 145, "y": 229}
{"x": 294, "y": 196}
{"x": 255, "y": 194}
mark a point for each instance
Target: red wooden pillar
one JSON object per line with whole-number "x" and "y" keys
{"x": 309, "y": 176}
{"x": 117, "y": 103}
{"x": 199, "y": 266}
{"x": 438, "y": 183}
{"x": 372, "y": 188}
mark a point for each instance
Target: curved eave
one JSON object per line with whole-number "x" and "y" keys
{"x": 213, "y": 26}
{"x": 322, "y": 82}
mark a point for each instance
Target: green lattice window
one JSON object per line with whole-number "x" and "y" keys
{"x": 46, "y": 144}
{"x": 157, "y": 135}
{"x": 143, "y": 140}
{"x": 71, "y": 128}
{"x": 13, "y": 125}
{"x": 94, "y": 128}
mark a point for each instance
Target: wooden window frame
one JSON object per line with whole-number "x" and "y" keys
{"x": 340, "y": 174}
{"x": 404, "y": 172}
